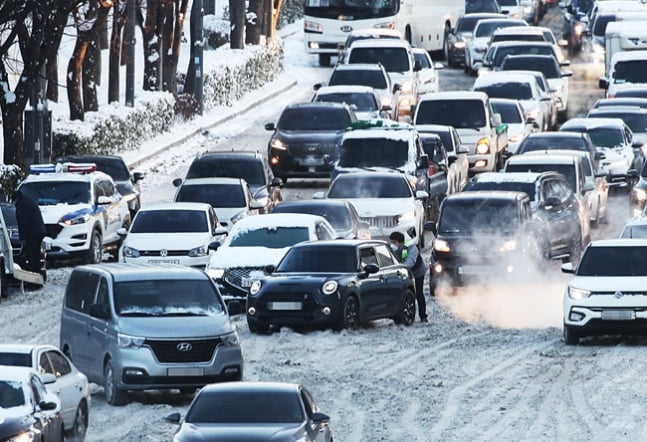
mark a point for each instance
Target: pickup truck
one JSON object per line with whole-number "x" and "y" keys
{"x": 480, "y": 129}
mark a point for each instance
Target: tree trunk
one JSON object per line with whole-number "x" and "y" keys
{"x": 254, "y": 23}
{"x": 152, "y": 44}
{"x": 167, "y": 15}
{"x": 90, "y": 78}
{"x": 237, "y": 20}
{"x": 74, "y": 72}
{"x": 114, "y": 76}
{"x": 52, "y": 79}
{"x": 189, "y": 81}
{"x": 171, "y": 60}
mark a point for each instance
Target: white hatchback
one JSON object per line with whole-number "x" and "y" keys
{"x": 608, "y": 290}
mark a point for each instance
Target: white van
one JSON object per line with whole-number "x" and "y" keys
{"x": 627, "y": 70}
{"x": 624, "y": 36}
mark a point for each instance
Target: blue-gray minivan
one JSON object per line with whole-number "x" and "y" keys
{"x": 139, "y": 326}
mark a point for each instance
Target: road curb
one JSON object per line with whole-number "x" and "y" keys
{"x": 183, "y": 139}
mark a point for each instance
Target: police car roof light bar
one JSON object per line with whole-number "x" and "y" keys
{"x": 63, "y": 167}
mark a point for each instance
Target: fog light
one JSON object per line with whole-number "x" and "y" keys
{"x": 251, "y": 311}
{"x": 576, "y": 316}
{"x": 274, "y": 161}
{"x": 437, "y": 268}
{"x": 326, "y": 311}
{"x": 133, "y": 372}
{"x": 480, "y": 163}
{"x": 314, "y": 45}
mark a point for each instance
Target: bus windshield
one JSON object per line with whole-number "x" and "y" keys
{"x": 351, "y": 9}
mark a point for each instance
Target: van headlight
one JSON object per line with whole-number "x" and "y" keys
{"x": 483, "y": 146}
{"x": 575, "y": 293}
{"x": 129, "y": 252}
{"x": 230, "y": 339}
{"x": 198, "y": 251}
{"x": 128, "y": 341}
{"x": 440, "y": 245}
{"x": 77, "y": 220}
{"x": 508, "y": 246}
{"x": 329, "y": 287}
{"x": 278, "y": 144}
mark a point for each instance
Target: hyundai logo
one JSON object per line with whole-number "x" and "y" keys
{"x": 163, "y": 253}
{"x": 184, "y": 346}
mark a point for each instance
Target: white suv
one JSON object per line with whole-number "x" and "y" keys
{"x": 607, "y": 293}
{"x": 81, "y": 207}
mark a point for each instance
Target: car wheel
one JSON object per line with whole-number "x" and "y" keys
{"x": 258, "y": 327}
{"x": 350, "y": 314}
{"x": 407, "y": 309}
{"x": 80, "y": 426}
{"x": 95, "y": 252}
{"x": 570, "y": 337}
{"x": 114, "y": 395}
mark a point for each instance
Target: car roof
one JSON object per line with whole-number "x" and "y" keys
{"x": 629, "y": 55}
{"x": 251, "y": 386}
{"x": 273, "y": 220}
{"x": 338, "y": 243}
{"x": 345, "y": 89}
{"x": 83, "y": 158}
{"x": 369, "y": 175}
{"x": 522, "y": 30}
{"x": 422, "y": 128}
{"x": 621, "y": 101}
{"x": 248, "y": 155}
{"x": 593, "y": 123}
{"x": 176, "y": 206}
{"x": 312, "y": 202}
{"x": 395, "y": 132}
{"x": 560, "y": 135}
{"x": 484, "y": 15}
{"x": 493, "y": 20}
{"x": 508, "y": 177}
{"x": 499, "y": 44}
{"x": 625, "y": 109}
{"x": 380, "y": 43}
{"x": 547, "y": 158}
{"x": 636, "y": 221}
{"x": 67, "y": 176}
{"x": 359, "y": 67}
{"x": 618, "y": 242}
{"x": 14, "y": 373}
{"x": 455, "y": 95}
{"x": 504, "y": 77}
{"x": 375, "y": 31}
{"x": 317, "y": 105}
{"x": 135, "y": 272}
{"x": 530, "y": 57}
{"x": 213, "y": 180}
{"x": 24, "y": 348}
{"x": 487, "y": 195}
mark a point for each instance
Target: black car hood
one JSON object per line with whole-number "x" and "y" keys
{"x": 13, "y": 424}
{"x": 240, "y": 432}
{"x": 319, "y": 137}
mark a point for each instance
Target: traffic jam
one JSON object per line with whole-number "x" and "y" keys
{"x": 411, "y": 178}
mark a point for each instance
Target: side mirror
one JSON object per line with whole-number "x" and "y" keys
{"x": 463, "y": 149}
{"x": 386, "y": 107}
{"x": 276, "y": 182}
{"x": 533, "y": 122}
{"x": 316, "y": 86}
{"x": 417, "y": 66}
{"x": 637, "y": 144}
{"x": 47, "y": 405}
{"x": 122, "y": 232}
{"x": 600, "y": 155}
{"x": 256, "y": 204}
{"x": 506, "y": 155}
{"x": 103, "y": 200}
{"x": 138, "y": 176}
{"x": 565, "y": 63}
{"x": 451, "y": 158}
{"x": 430, "y": 226}
{"x": 318, "y": 196}
{"x": 214, "y": 245}
{"x": 567, "y": 267}
{"x": 220, "y": 230}
{"x": 371, "y": 269}
{"x": 234, "y": 307}
{"x": 97, "y": 311}
{"x": 177, "y": 181}
{"x": 423, "y": 162}
{"x": 269, "y": 269}
{"x": 587, "y": 187}
{"x": 173, "y": 418}
{"x": 439, "y": 66}
{"x": 421, "y": 195}
{"x": 567, "y": 73}
{"x": 48, "y": 378}
{"x": 562, "y": 43}
{"x": 603, "y": 83}
{"x": 270, "y": 126}
{"x": 319, "y": 418}
{"x": 397, "y": 88}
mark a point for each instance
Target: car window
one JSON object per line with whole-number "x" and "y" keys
{"x": 103, "y": 295}
{"x": 458, "y": 113}
{"x": 422, "y": 59}
{"x": 49, "y": 193}
{"x": 370, "y": 187}
{"x": 367, "y": 256}
{"x": 373, "y": 152}
{"x": 321, "y": 259}
{"x": 314, "y": 119}
{"x": 80, "y": 291}
{"x": 107, "y": 187}
{"x": 218, "y": 195}
{"x": 393, "y": 59}
{"x": 251, "y": 171}
{"x": 384, "y": 256}
{"x": 59, "y": 363}
{"x": 509, "y": 112}
{"x": 362, "y": 102}
{"x": 568, "y": 170}
{"x": 547, "y": 66}
{"x": 478, "y": 215}
{"x": 272, "y": 237}
{"x": 308, "y": 402}
{"x": 631, "y": 71}
{"x": 372, "y": 78}
{"x": 533, "y": 143}
{"x": 11, "y": 394}
{"x": 513, "y": 90}
{"x": 43, "y": 364}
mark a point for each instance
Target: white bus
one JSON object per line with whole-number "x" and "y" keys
{"x": 424, "y": 23}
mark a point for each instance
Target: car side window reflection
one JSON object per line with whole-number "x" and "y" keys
{"x": 43, "y": 364}
{"x": 384, "y": 256}
{"x": 59, "y": 364}
{"x": 102, "y": 295}
{"x": 367, "y": 256}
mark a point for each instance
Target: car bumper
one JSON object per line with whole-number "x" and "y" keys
{"x": 311, "y": 313}
{"x": 140, "y": 370}
{"x": 198, "y": 261}
{"x": 69, "y": 241}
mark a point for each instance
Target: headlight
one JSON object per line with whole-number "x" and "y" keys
{"x": 578, "y": 29}
{"x": 329, "y": 287}
{"x": 406, "y": 216}
{"x": 255, "y": 287}
{"x": 129, "y": 341}
{"x": 311, "y": 26}
{"x": 27, "y": 436}
{"x": 278, "y": 144}
{"x": 385, "y": 25}
{"x": 78, "y": 220}
{"x": 508, "y": 246}
{"x": 459, "y": 45}
{"x": 230, "y": 339}
{"x": 527, "y": 9}
{"x": 407, "y": 87}
{"x": 198, "y": 251}
{"x": 129, "y": 252}
{"x": 216, "y": 273}
{"x": 440, "y": 245}
{"x": 483, "y": 146}
{"x": 639, "y": 194}
{"x": 575, "y": 293}
{"x": 237, "y": 217}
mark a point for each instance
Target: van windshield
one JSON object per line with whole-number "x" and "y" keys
{"x": 167, "y": 297}
{"x": 630, "y": 71}
{"x": 461, "y": 114}
{"x": 478, "y": 215}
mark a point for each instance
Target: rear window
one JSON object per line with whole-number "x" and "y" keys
{"x": 393, "y": 59}
{"x": 218, "y": 195}
{"x": 373, "y": 152}
{"x": 314, "y": 119}
{"x": 568, "y": 170}
{"x": 458, "y": 113}
{"x": 545, "y": 143}
{"x": 613, "y": 261}
{"x": 15, "y": 359}
{"x": 370, "y": 187}
{"x": 250, "y": 171}
{"x": 371, "y": 78}
{"x": 472, "y": 6}
{"x": 502, "y": 53}
{"x": 636, "y": 122}
{"x": 547, "y": 66}
{"x": 271, "y": 237}
{"x": 337, "y": 216}
{"x": 525, "y": 187}
{"x": 486, "y": 29}
{"x": 362, "y": 102}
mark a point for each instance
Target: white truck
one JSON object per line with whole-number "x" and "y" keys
{"x": 624, "y": 36}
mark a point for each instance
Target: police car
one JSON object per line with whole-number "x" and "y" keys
{"x": 81, "y": 207}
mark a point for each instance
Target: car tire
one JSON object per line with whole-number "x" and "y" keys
{"x": 94, "y": 255}
{"x": 350, "y": 315}
{"x": 570, "y": 336}
{"x": 407, "y": 314}
{"x": 114, "y": 396}
{"x": 80, "y": 426}
{"x": 258, "y": 327}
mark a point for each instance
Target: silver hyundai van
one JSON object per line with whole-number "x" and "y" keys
{"x": 139, "y": 326}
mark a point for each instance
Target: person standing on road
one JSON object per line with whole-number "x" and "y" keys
{"x": 31, "y": 229}
{"x": 409, "y": 255}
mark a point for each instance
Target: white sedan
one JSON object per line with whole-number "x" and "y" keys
{"x": 71, "y": 386}
{"x": 427, "y": 75}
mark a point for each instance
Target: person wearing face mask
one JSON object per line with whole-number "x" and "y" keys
{"x": 409, "y": 255}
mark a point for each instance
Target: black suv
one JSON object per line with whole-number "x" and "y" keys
{"x": 247, "y": 165}
{"x": 115, "y": 166}
{"x": 305, "y": 136}
{"x": 483, "y": 235}
{"x": 338, "y": 284}
{"x": 551, "y": 200}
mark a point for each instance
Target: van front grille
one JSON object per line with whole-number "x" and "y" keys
{"x": 185, "y": 350}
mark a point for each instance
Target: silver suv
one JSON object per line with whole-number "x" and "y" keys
{"x": 138, "y": 327}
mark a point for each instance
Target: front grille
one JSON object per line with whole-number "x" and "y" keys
{"x": 168, "y": 253}
{"x": 311, "y": 149}
{"x": 235, "y": 275}
{"x": 384, "y": 222}
{"x": 637, "y": 293}
{"x": 53, "y": 230}
{"x": 201, "y": 350}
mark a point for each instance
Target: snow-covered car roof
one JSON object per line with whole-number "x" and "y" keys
{"x": 592, "y": 123}
{"x": 487, "y": 195}
{"x": 401, "y": 134}
{"x": 619, "y": 242}
{"x": 358, "y": 67}
{"x": 375, "y": 32}
{"x": 544, "y": 158}
{"x": 24, "y": 348}
{"x": 213, "y": 180}
{"x": 521, "y": 30}
{"x": 380, "y": 43}
{"x": 487, "y": 21}
{"x": 637, "y": 221}
{"x": 619, "y": 5}
{"x": 455, "y": 95}
{"x": 422, "y": 128}
{"x": 67, "y": 176}
{"x": 274, "y": 220}
{"x": 628, "y": 56}
{"x": 502, "y": 77}
{"x": 13, "y": 373}
{"x": 625, "y": 109}
{"x": 345, "y": 89}
{"x": 507, "y": 177}
{"x": 499, "y": 44}
{"x": 176, "y": 206}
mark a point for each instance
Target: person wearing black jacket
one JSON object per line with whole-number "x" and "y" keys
{"x": 31, "y": 230}
{"x": 409, "y": 255}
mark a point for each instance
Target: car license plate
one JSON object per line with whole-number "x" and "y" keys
{"x": 311, "y": 161}
{"x": 163, "y": 261}
{"x": 473, "y": 270}
{"x": 618, "y": 315}
{"x": 284, "y": 305}
{"x": 185, "y": 371}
